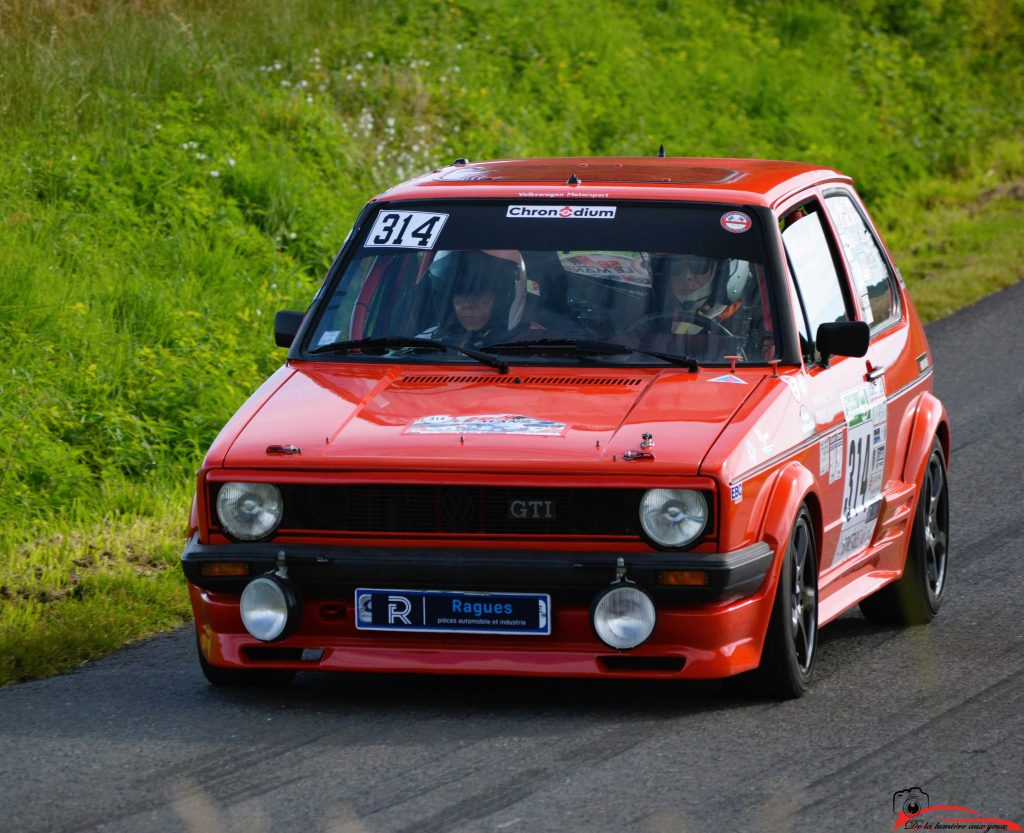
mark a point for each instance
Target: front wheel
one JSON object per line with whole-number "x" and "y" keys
{"x": 787, "y": 661}
{"x": 915, "y": 598}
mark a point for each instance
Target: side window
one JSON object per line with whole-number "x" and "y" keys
{"x": 868, "y": 268}
{"x": 814, "y": 270}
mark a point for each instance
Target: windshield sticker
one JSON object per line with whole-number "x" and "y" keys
{"x": 563, "y": 195}
{"x": 405, "y": 230}
{"x": 329, "y": 337}
{"x": 486, "y": 424}
{"x": 565, "y": 212}
{"x": 624, "y": 267}
{"x": 736, "y": 221}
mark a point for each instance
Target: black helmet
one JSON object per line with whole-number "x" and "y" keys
{"x": 499, "y": 272}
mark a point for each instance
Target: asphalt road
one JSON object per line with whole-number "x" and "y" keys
{"x": 139, "y": 742}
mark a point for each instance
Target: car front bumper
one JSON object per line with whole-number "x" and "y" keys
{"x": 708, "y": 631}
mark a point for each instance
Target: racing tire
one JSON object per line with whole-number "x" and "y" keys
{"x": 790, "y": 646}
{"x": 915, "y": 598}
{"x": 243, "y": 677}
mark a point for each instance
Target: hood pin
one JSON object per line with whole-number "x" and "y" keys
{"x": 645, "y": 453}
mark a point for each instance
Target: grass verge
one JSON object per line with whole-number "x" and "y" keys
{"x": 84, "y": 591}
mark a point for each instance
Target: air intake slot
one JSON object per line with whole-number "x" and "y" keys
{"x": 510, "y": 380}
{"x": 664, "y": 665}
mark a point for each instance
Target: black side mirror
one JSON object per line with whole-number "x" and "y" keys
{"x": 842, "y": 338}
{"x": 286, "y": 326}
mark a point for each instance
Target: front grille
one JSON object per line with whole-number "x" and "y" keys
{"x": 486, "y": 510}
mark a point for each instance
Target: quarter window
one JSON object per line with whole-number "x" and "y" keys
{"x": 868, "y": 268}
{"x": 814, "y": 268}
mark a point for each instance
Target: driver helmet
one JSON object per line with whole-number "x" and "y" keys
{"x": 691, "y": 280}
{"x": 499, "y": 272}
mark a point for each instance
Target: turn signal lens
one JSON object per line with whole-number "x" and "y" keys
{"x": 684, "y": 578}
{"x": 224, "y": 568}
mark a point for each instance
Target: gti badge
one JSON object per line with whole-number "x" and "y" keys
{"x": 531, "y": 510}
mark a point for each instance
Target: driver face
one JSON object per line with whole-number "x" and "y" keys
{"x": 473, "y": 309}
{"x": 688, "y": 274}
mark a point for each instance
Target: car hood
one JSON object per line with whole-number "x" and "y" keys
{"x": 365, "y": 417}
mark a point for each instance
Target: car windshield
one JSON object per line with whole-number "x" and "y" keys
{"x": 600, "y": 281}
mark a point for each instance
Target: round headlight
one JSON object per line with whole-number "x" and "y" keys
{"x": 673, "y": 517}
{"x": 269, "y": 608}
{"x": 249, "y": 511}
{"x": 623, "y": 617}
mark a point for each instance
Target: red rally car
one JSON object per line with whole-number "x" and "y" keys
{"x": 581, "y": 418}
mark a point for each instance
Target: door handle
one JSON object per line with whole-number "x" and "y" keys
{"x": 874, "y": 372}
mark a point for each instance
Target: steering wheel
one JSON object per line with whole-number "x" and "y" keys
{"x": 701, "y": 321}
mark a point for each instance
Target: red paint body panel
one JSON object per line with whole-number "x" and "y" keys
{"x": 761, "y": 441}
{"x": 350, "y": 416}
{"x": 761, "y": 182}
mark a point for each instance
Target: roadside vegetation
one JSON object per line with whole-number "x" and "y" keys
{"x": 175, "y": 171}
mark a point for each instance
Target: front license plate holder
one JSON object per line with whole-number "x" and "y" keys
{"x": 450, "y": 611}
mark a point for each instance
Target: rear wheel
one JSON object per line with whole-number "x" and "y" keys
{"x": 243, "y": 676}
{"x": 916, "y": 597}
{"x": 787, "y": 661}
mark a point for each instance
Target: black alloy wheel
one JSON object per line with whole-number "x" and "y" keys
{"x": 804, "y": 595}
{"x": 915, "y": 598}
{"x": 790, "y": 647}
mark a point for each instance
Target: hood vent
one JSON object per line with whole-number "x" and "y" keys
{"x": 512, "y": 380}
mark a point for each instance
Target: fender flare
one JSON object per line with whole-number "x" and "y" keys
{"x": 793, "y": 486}
{"x": 929, "y": 420}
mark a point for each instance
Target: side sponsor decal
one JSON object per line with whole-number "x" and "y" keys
{"x": 486, "y": 424}
{"x": 405, "y": 230}
{"x": 823, "y": 458}
{"x": 835, "y": 457}
{"x": 564, "y": 212}
{"x": 866, "y": 413}
{"x": 807, "y": 424}
{"x": 736, "y": 492}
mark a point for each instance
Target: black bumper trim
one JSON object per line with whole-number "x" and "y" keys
{"x": 334, "y": 572}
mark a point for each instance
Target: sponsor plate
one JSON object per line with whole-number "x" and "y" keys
{"x": 447, "y": 611}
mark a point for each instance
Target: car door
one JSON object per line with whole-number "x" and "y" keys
{"x": 893, "y": 365}
{"x": 848, "y": 407}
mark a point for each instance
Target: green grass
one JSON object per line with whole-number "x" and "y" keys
{"x": 175, "y": 171}
{"x": 958, "y": 241}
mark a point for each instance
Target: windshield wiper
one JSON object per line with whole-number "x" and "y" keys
{"x": 586, "y": 347}
{"x": 387, "y": 342}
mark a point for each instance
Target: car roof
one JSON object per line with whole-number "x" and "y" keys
{"x": 743, "y": 181}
